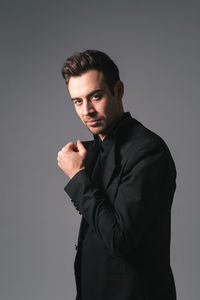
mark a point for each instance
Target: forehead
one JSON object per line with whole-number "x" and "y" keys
{"x": 84, "y": 84}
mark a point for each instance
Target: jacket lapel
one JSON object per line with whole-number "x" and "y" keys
{"x": 92, "y": 154}
{"x": 109, "y": 167}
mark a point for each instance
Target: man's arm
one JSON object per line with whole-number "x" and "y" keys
{"x": 145, "y": 192}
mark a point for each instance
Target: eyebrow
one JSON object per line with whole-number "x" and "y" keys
{"x": 90, "y": 94}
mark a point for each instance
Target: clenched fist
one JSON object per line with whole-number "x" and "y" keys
{"x": 71, "y": 158}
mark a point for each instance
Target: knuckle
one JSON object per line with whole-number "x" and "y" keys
{"x": 67, "y": 146}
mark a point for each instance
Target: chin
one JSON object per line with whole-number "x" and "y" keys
{"x": 96, "y": 131}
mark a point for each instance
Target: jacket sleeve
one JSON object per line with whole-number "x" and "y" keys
{"x": 145, "y": 192}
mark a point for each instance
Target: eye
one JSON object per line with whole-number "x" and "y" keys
{"x": 96, "y": 96}
{"x": 77, "y": 101}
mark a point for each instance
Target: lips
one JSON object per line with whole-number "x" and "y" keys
{"x": 92, "y": 122}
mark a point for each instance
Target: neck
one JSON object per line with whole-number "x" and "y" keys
{"x": 103, "y": 136}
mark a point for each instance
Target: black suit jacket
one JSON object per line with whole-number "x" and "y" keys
{"x": 123, "y": 248}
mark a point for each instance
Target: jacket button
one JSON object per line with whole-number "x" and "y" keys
{"x": 76, "y": 247}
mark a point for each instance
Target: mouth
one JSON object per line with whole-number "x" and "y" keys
{"x": 92, "y": 122}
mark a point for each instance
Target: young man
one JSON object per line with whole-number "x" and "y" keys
{"x": 122, "y": 183}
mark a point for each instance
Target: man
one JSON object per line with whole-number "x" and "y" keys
{"x": 122, "y": 183}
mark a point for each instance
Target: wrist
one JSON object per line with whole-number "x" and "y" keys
{"x": 75, "y": 172}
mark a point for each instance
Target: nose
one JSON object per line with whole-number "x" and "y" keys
{"x": 88, "y": 108}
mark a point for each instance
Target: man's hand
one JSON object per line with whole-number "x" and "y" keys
{"x": 71, "y": 158}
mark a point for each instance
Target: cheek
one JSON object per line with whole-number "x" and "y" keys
{"x": 104, "y": 107}
{"x": 110, "y": 109}
{"x": 78, "y": 111}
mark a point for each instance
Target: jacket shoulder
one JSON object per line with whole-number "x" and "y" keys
{"x": 137, "y": 138}
{"x": 139, "y": 135}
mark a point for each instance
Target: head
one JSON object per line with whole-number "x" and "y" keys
{"x": 95, "y": 88}
{"x": 82, "y": 62}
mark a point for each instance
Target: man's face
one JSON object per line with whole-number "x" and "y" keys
{"x": 96, "y": 106}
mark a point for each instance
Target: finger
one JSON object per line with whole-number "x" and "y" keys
{"x": 81, "y": 148}
{"x": 69, "y": 146}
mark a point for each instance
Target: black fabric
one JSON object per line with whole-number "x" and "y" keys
{"x": 124, "y": 240}
{"x": 104, "y": 148}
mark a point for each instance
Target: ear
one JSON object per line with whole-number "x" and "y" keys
{"x": 119, "y": 89}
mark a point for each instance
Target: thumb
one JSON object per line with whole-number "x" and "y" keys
{"x": 81, "y": 148}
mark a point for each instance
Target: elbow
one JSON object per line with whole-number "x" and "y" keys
{"x": 122, "y": 244}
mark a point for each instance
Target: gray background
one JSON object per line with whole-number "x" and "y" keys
{"x": 156, "y": 46}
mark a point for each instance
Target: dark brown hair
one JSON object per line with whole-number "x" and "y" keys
{"x": 82, "y": 62}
